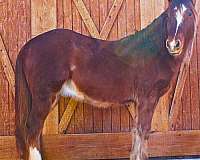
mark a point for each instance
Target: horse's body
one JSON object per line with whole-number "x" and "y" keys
{"x": 136, "y": 69}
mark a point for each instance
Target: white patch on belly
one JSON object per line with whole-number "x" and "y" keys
{"x": 69, "y": 89}
{"x": 34, "y": 154}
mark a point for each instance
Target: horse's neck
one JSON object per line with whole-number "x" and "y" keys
{"x": 149, "y": 41}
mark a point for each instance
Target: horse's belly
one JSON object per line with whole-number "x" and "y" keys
{"x": 69, "y": 89}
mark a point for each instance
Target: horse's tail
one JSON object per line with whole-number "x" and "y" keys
{"x": 22, "y": 106}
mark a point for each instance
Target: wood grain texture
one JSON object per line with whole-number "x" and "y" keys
{"x": 43, "y": 16}
{"x": 79, "y": 118}
{"x": 137, "y": 15}
{"x": 111, "y": 18}
{"x": 67, "y": 115}
{"x": 198, "y": 58}
{"x": 15, "y": 31}
{"x": 108, "y": 146}
{"x": 7, "y": 66}
{"x": 4, "y": 105}
{"x": 86, "y": 18}
{"x": 194, "y": 89}
{"x": 186, "y": 105}
{"x": 60, "y": 14}
{"x": 67, "y": 14}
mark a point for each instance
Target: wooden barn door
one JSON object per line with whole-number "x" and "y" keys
{"x": 14, "y": 32}
{"x": 75, "y": 130}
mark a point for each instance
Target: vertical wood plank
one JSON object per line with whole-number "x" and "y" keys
{"x": 137, "y": 15}
{"x": 130, "y": 17}
{"x": 43, "y": 18}
{"x": 71, "y": 127}
{"x": 4, "y": 127}
{"x": 194, "y": 90}
{"x": 79, "y": 119}
{"x": 4, "y": 23}
{"x": 113, "y": 32}
{"x": 198, "y": 61}
{"x": 186, "y": 105}
{"x": 60, "y": 13}
{"x": 159, "y": 6}
{"x": 146, "y": 12}
{"x": 15, "y": 31}
{"x": 67, "y": 10}
{"x": 13, "y": 25}
{"x": 4, "y": 105}
{"x": 178, "y": 125}
{"x": 88, "y": 118}
{"x": 76, "y": 19}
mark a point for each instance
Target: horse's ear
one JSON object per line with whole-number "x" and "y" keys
{"x": 194, "y": 2}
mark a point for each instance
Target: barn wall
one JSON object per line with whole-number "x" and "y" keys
{"x": 18, "y": 24}
{"x": 189, "y": 109}
{"x": 15, "y": 31}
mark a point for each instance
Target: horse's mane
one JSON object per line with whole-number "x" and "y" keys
{"x": 149, "y": 40}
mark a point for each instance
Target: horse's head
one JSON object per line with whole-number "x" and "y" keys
{"x": 181, "y": 25}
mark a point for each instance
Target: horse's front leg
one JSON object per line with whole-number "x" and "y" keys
{"x": 139, "y": 145}
{"x": 140, "y": 134}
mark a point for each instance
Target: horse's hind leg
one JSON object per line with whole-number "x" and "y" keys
{"x": 41, "y": 106}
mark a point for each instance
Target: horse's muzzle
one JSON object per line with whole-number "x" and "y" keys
{"x": 174, "y": 47}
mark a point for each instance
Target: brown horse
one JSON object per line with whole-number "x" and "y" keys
{"x": 136, "y": 69}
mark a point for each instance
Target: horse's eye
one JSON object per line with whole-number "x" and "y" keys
{"x": 190, "y": 13}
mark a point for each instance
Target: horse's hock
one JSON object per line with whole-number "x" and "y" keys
{"x": 76, "y": 130}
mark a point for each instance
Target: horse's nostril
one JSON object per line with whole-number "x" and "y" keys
{"x": 167, "y": 44}
{"x": 178, "y": 44}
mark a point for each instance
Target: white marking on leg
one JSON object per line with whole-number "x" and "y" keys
{"x": 179, "y": 16}
{"x": 34, "y": 154}
{"x": 137, "y": 146}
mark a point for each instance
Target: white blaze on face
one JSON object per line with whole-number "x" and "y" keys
{"x": 179, "y": 16}
{"x": 34, "y": 154}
